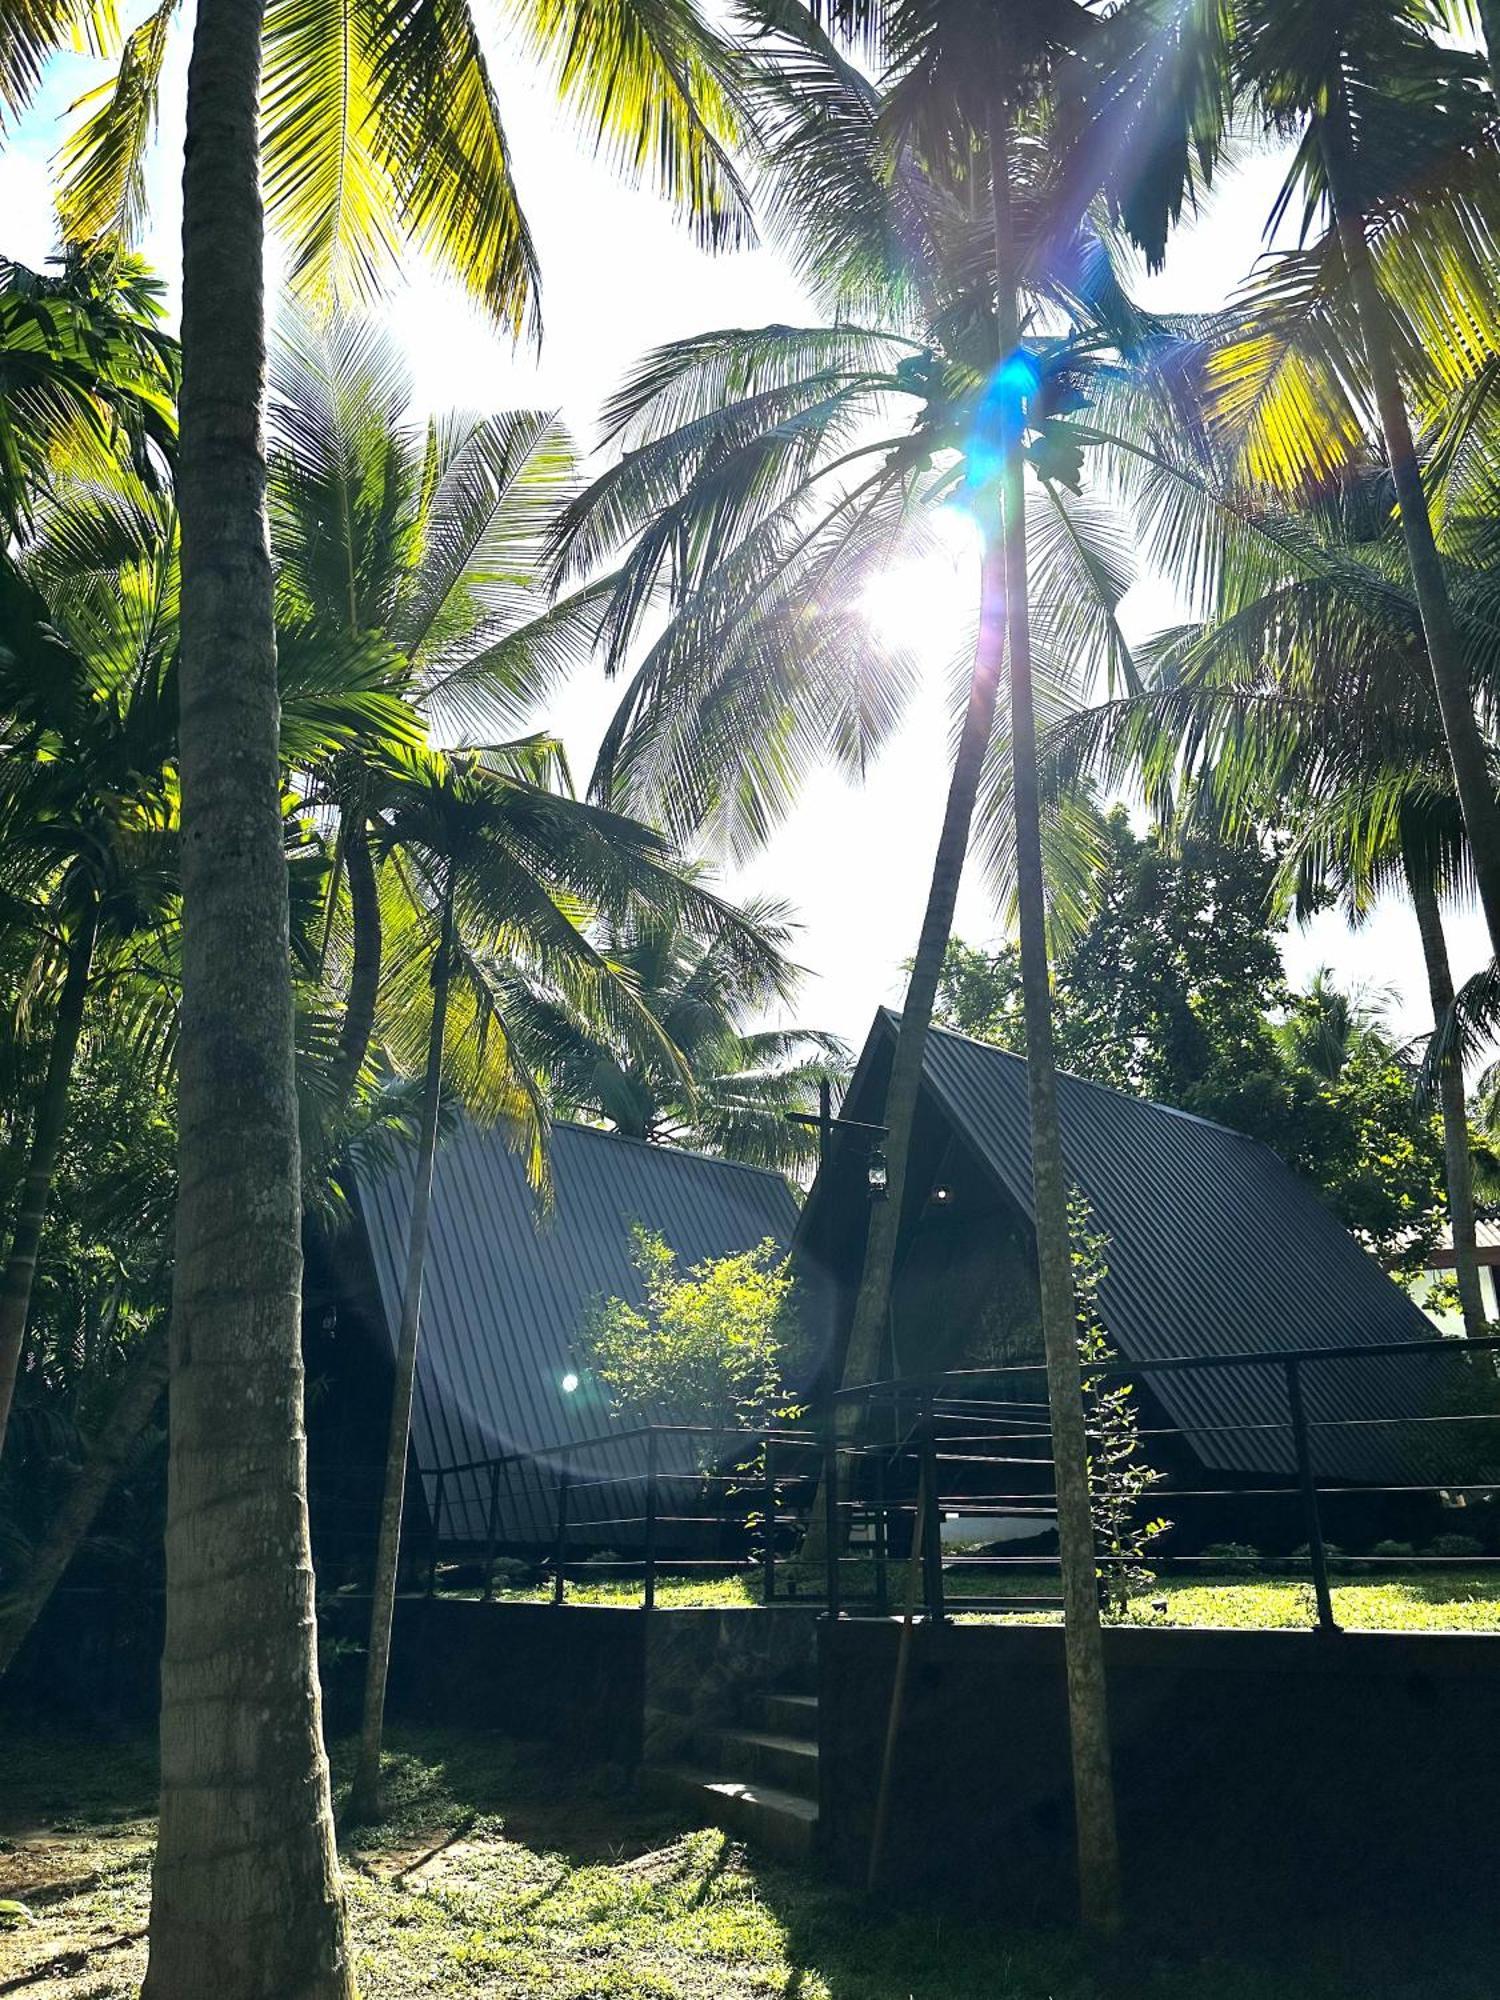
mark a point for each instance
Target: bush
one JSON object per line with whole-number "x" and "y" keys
{"x": 1235, "y": 1557}
{"x": 1456, "y": 1545}
{"x": 512, "y": 1570}
{"x": 1393, "y": 1551}
{"x": 1338, "y": 1563}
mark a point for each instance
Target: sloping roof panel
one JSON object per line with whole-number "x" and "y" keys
{"x": 506, "y": 1292}
{"x": 1214, "y": 1246}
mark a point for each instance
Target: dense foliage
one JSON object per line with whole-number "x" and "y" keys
{"x": 706, "y": 1346}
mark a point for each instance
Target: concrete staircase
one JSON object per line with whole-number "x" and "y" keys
{"x": 758, "y": 1781}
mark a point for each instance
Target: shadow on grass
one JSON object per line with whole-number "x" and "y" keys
{"x": 835, "y": 1945}
{"x": 518, "y": 1865}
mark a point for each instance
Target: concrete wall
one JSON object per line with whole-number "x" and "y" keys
{"x": 609, "y": 1683}
{"x": 1304, "y": 1772}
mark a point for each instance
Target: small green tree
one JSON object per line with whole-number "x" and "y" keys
{"x": 706, "y": 1345}
{"x": 1119, "y": 1475}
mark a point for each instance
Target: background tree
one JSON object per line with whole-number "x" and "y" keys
{"x": 503, "y": 877}
{"x": 729, "y": 1087}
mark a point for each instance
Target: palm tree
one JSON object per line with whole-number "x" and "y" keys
{"x": 87, "y": 814}
{"x": 381, "y": 128}
{"x": 763, "y": 481}
{"x": 501, "y": 877}
{"x": 741, "y": 1082}
{"x": 417, "y": 547}
{"x": 1398, "y": 153}
{"x": 1304, "y": 703}
{"x": 88, "y": 378}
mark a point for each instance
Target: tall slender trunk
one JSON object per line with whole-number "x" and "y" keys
{"x": 138, "y": 1396}
{"x": 246, "y": 1900}
{"x": 1466, "y": 745}
{"x": 364, "y": 1802}
{"x": 46, "y": 1136}
{"x": 1456, "y": 1162}
{"x": 863, "y": 1361}
{"x": 364, "y": 969}
{"x": 1088, "y": 1706}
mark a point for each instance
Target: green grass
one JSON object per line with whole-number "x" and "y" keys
{"x": 1395, "y": 1601}
{"x": 503, "y": 1875}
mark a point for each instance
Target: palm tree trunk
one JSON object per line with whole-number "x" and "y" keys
{"x": 1456, "y": 1161}
{"x": 364, "y": 970}
{"x": 246, "y": 1900}
{"x": 1088, "y": 1707}
{"x": 864, "y": 1356}
{"x": 46, "y": 1136}
{"x": 139, "y": 1395}
{"x": 364, "y": 1803}
{"x": 1466, "y": 746}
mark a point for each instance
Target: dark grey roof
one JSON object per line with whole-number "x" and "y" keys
{"x": 1214, "y": 1246}
{"x": 506, "y": 1293}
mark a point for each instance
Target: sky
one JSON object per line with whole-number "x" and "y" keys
{"x": 620, "y": 275}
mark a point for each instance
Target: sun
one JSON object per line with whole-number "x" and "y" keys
{"x": 926, "y": 605}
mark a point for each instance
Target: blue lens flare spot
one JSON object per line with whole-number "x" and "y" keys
{"x": 1000, "y": 416}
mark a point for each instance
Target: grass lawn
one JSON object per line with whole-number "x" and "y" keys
{"x": 1433, "y": 1600}
{"x": 500, "y": 1874}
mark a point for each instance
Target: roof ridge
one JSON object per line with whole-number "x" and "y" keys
{"x": 1083, "y": 1082}
{"x": 654, "y": 1146}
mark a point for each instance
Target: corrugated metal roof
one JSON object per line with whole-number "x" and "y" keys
{"x": 506, "y": 1292}
{"x": 1214, "y": 1247}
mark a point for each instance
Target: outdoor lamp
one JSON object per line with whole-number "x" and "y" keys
{"x": 877, "y": 1176}
{"x": 569, "y": 1383}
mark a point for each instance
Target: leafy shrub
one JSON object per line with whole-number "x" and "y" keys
{"x": 1236, "y": 1558}
{"x": 512, "y": 1570}
{"x": 1338, "y": 1563}
{"x": 1393, "y": 1551}
{"x": 706, "y": 1344}
{"x": 1456, "y": 1545}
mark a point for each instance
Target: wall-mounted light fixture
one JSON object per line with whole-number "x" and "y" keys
{"x": 877, "y": 1174}
{"x": 569, "y": 1383}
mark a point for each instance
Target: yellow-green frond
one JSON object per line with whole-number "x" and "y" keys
{"x": 435, "y": 132}
{"x": 102, "y": 195}
{"x": 656, "y": 89}
{"x": 325, "y": 191}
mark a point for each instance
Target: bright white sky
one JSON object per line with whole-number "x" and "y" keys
{"x": 620, "y": 276}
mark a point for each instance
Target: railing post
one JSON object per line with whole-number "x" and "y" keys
{"x": 559, "y": 1550}
{"x": 1316, "y": 1550}
{"x": 492, "y": 1532}
{"x": 652, "y": 1492}
{"x": 882, "y": 1593}
{"x": 831, "y": 1507}
{"x": 768, "y": 1526}
{"x": 437, "y": 1521}
{"x": 930, "y": 1517}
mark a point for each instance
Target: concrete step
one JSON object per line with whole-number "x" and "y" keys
{"x": 792, "y": 1714}
{"x": 788, "y": 1761}
{"x": 784, "y": 1823}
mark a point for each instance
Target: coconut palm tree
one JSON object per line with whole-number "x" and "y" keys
{"x": 763, "y": 479}
{"x": 1392, "y": 306}
{"x": 1304, "y": 704}
{"x": 501, "y": 877}
{"x": 87, "y": 814}
{"x": 742, "y": 1081}
{"x": 418, "y": 544}
{"x": 381, "y": 128}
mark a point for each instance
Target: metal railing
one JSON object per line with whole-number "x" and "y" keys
{"x": 968, "y": 1448}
